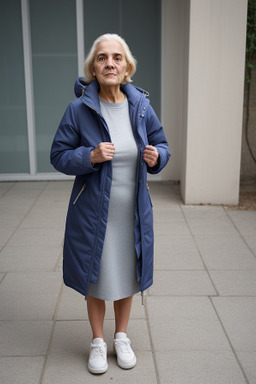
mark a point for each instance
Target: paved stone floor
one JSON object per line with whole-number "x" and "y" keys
{"x": 198, "y": 324}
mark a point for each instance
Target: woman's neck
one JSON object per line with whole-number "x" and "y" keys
{"x": 112, "y": 95}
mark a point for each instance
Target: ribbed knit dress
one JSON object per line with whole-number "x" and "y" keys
{"x": 117, "y": 275}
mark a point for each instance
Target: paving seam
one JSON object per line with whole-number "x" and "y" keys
{"x": 51, "y": 336}
{"x": 24, "y": 217}
{"x": 151, "y": 343}
{"x": 200, "y": 254}
{"x": 231, "y": 346}
{"x": 242, "y": 237}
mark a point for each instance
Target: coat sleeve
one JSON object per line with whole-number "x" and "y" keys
{"x": 156, "y": 137}
{"x": 67, "y": 154}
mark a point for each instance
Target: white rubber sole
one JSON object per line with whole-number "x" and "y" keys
{"x": 125, "y": 365}
{"x": 98, "y": 371}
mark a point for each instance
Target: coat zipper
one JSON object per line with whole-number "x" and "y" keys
{"x": 81, "y": 191}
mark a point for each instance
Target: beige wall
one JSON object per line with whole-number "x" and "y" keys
{"x": 173, "y": 26}
{"x": 203, "y": 80}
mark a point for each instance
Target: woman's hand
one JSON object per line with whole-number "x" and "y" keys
{"x": 150, "y": 155}
{"x": 103, "y": 152}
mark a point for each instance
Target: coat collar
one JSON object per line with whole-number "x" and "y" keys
{"x": 89, "y": 93}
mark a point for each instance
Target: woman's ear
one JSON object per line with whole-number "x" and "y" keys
{"x": 92, "y": 70}
{"x": 128, "y": 71}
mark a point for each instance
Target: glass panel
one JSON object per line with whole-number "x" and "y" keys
{"x": 13, "y": 119}
{"x": 100, "y": 17}
{"x": 144, "y": 39}
{"x": 139, "y": 22}
{"x": 54, "y": 56}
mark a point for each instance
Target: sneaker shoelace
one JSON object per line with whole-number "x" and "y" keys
{"x": 124, "y": 345}
{"x": 97, "y": 350}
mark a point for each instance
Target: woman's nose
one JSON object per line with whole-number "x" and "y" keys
{"x": 110, "y": 63}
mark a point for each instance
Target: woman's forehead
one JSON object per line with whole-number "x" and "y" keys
{"x": 109, "y": 47}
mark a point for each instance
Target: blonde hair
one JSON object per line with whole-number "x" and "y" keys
{"x": 88, "y": 64}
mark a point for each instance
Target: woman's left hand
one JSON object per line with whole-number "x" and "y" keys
{"x": 150, "y": 155}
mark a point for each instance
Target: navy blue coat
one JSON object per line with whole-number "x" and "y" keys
{"x": 81, "y": 129}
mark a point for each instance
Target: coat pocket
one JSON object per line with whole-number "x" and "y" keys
{"x": 80, "y": 192}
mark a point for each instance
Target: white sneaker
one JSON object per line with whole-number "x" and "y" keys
{"x": 126, "y": 358}
{"x": 97, "y": 362}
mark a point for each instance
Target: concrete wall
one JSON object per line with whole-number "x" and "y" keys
{"x": 212, "y": 131}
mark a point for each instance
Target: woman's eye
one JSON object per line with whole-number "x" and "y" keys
{"x": 101, "y": 58}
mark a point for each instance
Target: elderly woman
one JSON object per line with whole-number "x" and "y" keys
{"x": 109, "y": 138}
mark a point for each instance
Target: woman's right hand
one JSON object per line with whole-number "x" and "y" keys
{"x": 103, "y": 152}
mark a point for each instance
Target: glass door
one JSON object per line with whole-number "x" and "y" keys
{"x": 54, "y": 60}
{"x": 139, "y": 23}
{"x": 14, "y": 156}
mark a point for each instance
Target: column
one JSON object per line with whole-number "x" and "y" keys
{"x": 213, "y": 108}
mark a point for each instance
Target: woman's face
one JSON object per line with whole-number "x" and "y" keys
{"x": 110, "y": 66}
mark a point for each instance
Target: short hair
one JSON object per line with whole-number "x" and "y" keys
{"x": 88, "y": 64}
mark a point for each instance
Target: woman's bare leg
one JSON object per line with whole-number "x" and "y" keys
{"x": 96, "y": 311}
{"x": 122, "y": 310}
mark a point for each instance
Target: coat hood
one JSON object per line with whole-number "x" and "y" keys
{"x": 80, "y": 86}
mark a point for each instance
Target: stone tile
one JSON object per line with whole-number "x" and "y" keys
{"x": 182, "y": 283}
{"x": 236, "y": 283}
{"x": 59, "y": 265}
{"x": 248, "y": 361}
{"x": 180, "y": 307}
{"x": 24, "y": 338}
{"x": 169, "y": 213}
{"x": 51, "y": 206}
{"x": 237, "y": 315}
{"x": 59, "y": 188}
{"x": 2, "y": 275}
{"x": 7, "y": 229}
{"x": 20, "y": 198}
{"x": 10, "y": 217}
{"x": 73, "y": 369}
{"x": 185, "y": 329}
{"x": 70, "y": 349}
{"x": 198, "y": 367}
{"x": 72, "y": 305}
{"x": 176, "y": 253}
{"x": 5, "y": 187}
{"x": 169, "y": 221}
{"x": 245, "y": 221}
{"x": 171, "y": 228}
{"x": 29, "y": 296}
{"x": 223, "y": 252}
{"x": 29, "y": 186}
{"x": 205, "y": 220}
{"x": 46, "y": 219}
{"x": 21, "y": 370}
{"x": 251, "y": 242}
{"x": 26, "y": 237}
{"x": 21, "y": 259}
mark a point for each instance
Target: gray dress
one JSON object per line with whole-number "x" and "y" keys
{"x": 117, "y": 275}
